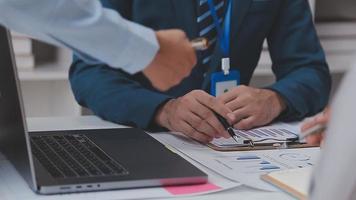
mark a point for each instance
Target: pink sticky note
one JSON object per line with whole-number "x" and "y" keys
{"x": 191, "y": 189}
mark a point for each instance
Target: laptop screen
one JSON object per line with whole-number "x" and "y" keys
{"x": 12, "y": 127}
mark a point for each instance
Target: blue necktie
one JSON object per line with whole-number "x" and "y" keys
{"x": 207, "y": 28}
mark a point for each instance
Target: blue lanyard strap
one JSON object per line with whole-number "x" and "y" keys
{"x": 223, "y": 32}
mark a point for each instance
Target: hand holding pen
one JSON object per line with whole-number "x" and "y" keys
{"x": 227, "y": 126}
{"x": 314, "y": 128}
{"x": 201, "y": 44}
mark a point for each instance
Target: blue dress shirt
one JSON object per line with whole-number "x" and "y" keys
{"x": 94, "y": 33}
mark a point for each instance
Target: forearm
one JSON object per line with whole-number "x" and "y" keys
{"x": 114, "y": 95}
{"x": 93, "y": 32}
{"x": 305, "y": 92}
{"x": 299, "y": 63}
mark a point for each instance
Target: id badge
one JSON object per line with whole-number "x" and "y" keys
{"x": 221, "y": 83}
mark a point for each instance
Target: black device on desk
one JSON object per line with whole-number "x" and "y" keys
{"x": 81, "y": 160}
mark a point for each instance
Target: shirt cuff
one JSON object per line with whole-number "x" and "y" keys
{"x": 141, "y": 48}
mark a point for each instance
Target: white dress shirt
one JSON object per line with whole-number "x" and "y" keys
{"x": 335, "y": 175}
{"x": 94, "y": 33}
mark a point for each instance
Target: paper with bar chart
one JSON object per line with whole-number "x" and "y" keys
{"x": 280, "y": 132}
{"x": 245, "y": 167}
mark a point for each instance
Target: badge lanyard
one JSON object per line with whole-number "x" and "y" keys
{"x": 223, "y": 32}
{"x": 222, "y": 82}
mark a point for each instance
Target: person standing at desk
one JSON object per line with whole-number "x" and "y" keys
{"x": 100, "y": 35}
{"x": 334, "y": 176}
{"x": 302, "y": 76}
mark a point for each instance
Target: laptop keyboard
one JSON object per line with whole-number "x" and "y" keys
{"x": 70, "y": 156}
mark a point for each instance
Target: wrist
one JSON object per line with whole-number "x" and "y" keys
{"x": 279, "y": 103}
{"x": 154, "y": 75}
{"x": 161, "y": 118}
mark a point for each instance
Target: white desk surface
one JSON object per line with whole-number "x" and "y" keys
{"x": 92, "y": 122}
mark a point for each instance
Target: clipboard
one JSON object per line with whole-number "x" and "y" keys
{"x": 260, "y": 139}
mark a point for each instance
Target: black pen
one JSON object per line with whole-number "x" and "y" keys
{"x": 227, "y": 126}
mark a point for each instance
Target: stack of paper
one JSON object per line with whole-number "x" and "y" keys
{"x": 24, "y": 56}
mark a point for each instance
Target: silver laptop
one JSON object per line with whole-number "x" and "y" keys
{"x": 81, "y": 160}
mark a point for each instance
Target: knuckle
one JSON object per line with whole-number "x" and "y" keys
{"x": 236, "y": 89}
{"x": 191, "y": 131}
{"x": 209, "y": 116}
{"x": 196, "y": 92}
{"x": 212, "y": 104}
{"x": 220, "y": 99}
{"x": 206, "y": 113}
{"x": 185, "y": 99}
{"x": 242, "y": 86}
{"x": 243, "y": 125}
{"x": 211, "y": 100}
{"x": 200, "y": 92}
{"x": 250, "y": 123}
{"x": 181, "y": 33}
{"x": 178, "y": 32}
{"x": 249, "y": 96}
{"x": 197, "y": 123}
{"x": 203, "y": 125}
{"x": 195, "y": 135}
{"x": 201, "y": 138}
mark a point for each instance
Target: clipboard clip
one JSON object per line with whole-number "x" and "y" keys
{"x": 276, "y": 143}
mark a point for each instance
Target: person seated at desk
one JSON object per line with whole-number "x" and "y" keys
{"x": 302, "y": 76}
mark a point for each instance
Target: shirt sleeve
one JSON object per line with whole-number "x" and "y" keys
{"x": 299, "y": 63}
{"x": 94, "y": 33}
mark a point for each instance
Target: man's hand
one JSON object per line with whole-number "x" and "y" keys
{"x": 192, "y": 115}
{"x": 322, "y": 119}
{"x": 173, "y": 62}
{"x": 252, "y": 107}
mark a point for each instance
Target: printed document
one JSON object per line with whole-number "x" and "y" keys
{"x": 245, "y": 167}
{"x": 279, "y": 132}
